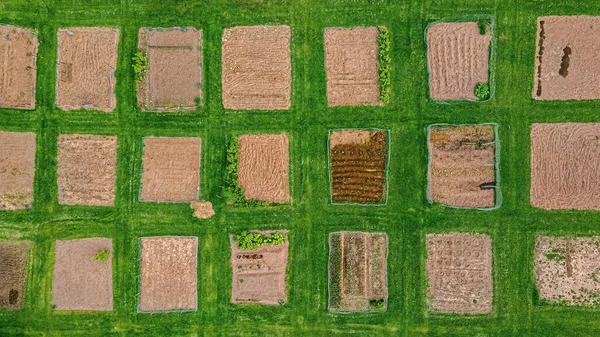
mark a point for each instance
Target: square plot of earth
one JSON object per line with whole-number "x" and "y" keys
{"x": 462, "y": 165}
{"x": 168, "y": 274}
{"x": 174, "y": 77}
{"x": 82, "y": 281}
{"x": 459, "y": 269}
{"x": 256, "y": 68}
{"x": 17, "y": 169}
{"x": 87, "y": 61}
{"x": 18, "y": 54}
{"x": 171, "y": 169}
{"x": 13, "y": 273}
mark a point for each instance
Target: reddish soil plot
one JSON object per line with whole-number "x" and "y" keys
{"x": 87, "y": 60}
{"x": 459, "y": 268}
{"x": 18, "y": 54}
{"x": 17, "y": 168}
{"x": 87, "y": 170}
{"x": 566, "y": 59}
{"x": 458, "y": 57}
{"x": 13, "y": 273}
{"x": 168, "y": 279}
{"x": 357, "y": 271}
{"x": 564, "y": 166}
{"x": 256, "y": 68}
{"x": 174, "y": 77}
{"x": 263, "y": 167}
{"x": 171, "y": 169}
{"x": 259, "y": 275}
{"x": 82, "y": 282}
{"x": 462, "y": 165}
{"x": 352, "y": 66}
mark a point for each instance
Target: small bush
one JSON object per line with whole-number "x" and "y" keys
{"x": 252, "y": 241}
{"x": 483, "y": 25}
{"x": 377, "y": 304}
{"x": 234, "y": 194}
{"x": 140, "y": 65}
{"x": 102, "y": 255}
{"x": 482, "y": 91}
{"x": 385, "y": 83}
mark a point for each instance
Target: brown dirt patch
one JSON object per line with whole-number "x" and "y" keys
{"x": 168, "y": 274}
{"x": 256, "y": 68}
{"x": 566, "y": 59}
{"x": 80, "y": 281}
{"x": 18, "y": 54}
{"x": 174, "y": 76}
{"x": 17, "y": 169}
{"x": 458, "y": 57}
{"x": 358, "y": 165}
{"x": 352, "y": 66}
{"x": 171, "y": 169}
{"x": 263, "y": 167}
{"x": 202, "y": 209}
{"x": 13, "y": 273}
{"x": 564, "y": 166}
{"x": 459, "y": 268}
{"x": 87, "y": 170}
{"x": 461, "y": 165}
{"x": 87, "y": 60}
{"x": 259, "y": 275}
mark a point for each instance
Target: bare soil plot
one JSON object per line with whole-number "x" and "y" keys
{"x": 82, "y": 282}
{"x": 18, "y": 54}
{"x": 168, "y": 273}
{"x": 462, "y": 165}
{"x": 358, "y": 163}
{"x": 87, "y": 170}
{"x": 352, "y": 66}
{"x": 263, "y": 167}
{"x": 174, "y": 77}
{"x": 458, "y": 57}
{"x": 13, "y": 273}
{"x": 259, "y": 275}
{"x": 357, "y": 271}
{"x": 564, "y": 166}
{"x": 566, "y": 59}
{"x": 87, "y": 61}
{"x": 171, "y": 169}
{"x": 459, "y": 268}
{"x": 202, "y": 209}
{"x": 17, "y": 169}
{"x": 256, "y": 68}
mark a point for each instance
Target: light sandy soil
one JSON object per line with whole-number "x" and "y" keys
{"x": 80, "y": 281}
{"x": 256, "y": 68}
{"x": 202, "y": 209}
{"x": 458, "y": 57}
{"x": 13, "y": 273}
{"x": 17, "y": 169}
{"x": 171, "y": 169}
{"x": 87, "y": 61}
{"x": 87, "y": 170}
{"x": 18, "y": 54}
{"x": 263, "y": 167}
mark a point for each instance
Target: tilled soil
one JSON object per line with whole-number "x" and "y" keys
{"x": 13, "y": 273}
{"x": 17, "y": 169}
{"x": 18, "y": 54}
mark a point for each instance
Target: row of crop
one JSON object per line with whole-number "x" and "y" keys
{"x": 385, "y": 81}
{"x": 335, "y": 267}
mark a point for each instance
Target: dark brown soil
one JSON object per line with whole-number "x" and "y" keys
{"x": 13, "y": 273}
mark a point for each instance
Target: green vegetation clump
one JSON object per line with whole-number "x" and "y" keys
{"x": 233, "y": 192}
{"x": 377, "y": 304}
{"x": 483, "y": 25}
{"x": 556, "y": 254}
{"x": 102, "y": 255}
{"x": 252, "y": 241}
{"x": 385, "y": 82}
{"x": 482, "y": 91}
{"x": 140, "y": 65}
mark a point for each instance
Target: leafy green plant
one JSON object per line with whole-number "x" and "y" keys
{"x": 385, "y": 82}
{"x": 140, "y": 65}
{"x": 102, "y": 255}
{"x": 483, "y": 25}
{"x": 377, "y": 304}
{"x": 234, "y": 194}
{"x": 252, "y": 241}
{"x": 482, "y": 91}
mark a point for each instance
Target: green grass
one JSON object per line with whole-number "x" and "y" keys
{"x": 310, "y": 217}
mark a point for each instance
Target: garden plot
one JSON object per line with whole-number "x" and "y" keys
{"x": 83, "y": 275}
{"x": 462, "y": 165}
{"x": 564, "y": 166}
{"x": 18, "y": 54}
{"x": 171, "y": 169}
{"x": 17, "y": 169}
{"x": 357, "y": 271}
{"x": 13, "y": 273}
{"x": 256, "y": 68}
{"x": 168, "y": 274}
{"x": 87, "y": 170}
{"x": 358, "y": 165}
{"x": 87, "y": 61}
{"x": 459, "y": 268}
{"x": 173, "y": 81}
{"x": 566, "y": 59}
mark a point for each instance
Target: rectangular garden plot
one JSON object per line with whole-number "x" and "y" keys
{"x": 87, "y": 61}
{"x": 357, "y": 271}
{"x": 459, "y": 269}
{"x": 13, "y": 273}
{"x": 173, "y": 81}
{"x": 18, "y": 54}
{"x": 462, "y": 165}
{"x": 17, "y": 169}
